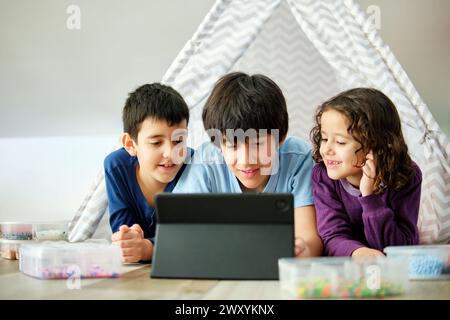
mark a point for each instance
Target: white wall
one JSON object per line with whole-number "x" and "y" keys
{"x": 417, "y": 31}
{"x": 57, "y": 82}
{"x": 62, "y": 91}
{"x": 46, "y": 178}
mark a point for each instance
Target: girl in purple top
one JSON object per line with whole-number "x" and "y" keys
{"x": 366, "y": 187}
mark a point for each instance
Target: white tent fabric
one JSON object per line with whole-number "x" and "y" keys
{"x": 313, "y": 49}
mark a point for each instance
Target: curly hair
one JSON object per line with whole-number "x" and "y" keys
{"x": 373, "y": 122}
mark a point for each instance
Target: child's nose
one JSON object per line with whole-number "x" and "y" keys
{"x": 167, "y": 153}
{"x": 328, "y": 148}
{"x": 246, "y": 155}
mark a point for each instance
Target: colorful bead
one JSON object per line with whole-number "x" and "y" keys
{"x": 94, "y": 271}
{"x": 18, "y": 236}
{"x": 424, "y": 266}
{"x": 321, "y": 288}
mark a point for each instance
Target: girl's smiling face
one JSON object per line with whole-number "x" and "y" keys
{"x": 341, "y": 153}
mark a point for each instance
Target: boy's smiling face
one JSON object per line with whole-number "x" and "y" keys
{"x": 160, "y": 149}
{"x": 251, "y": 161}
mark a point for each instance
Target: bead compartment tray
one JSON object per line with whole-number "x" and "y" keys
{"x": 62, "y": 260}
{"x": 425, "y": 262}
{"x": 40, "y": 231}
{"x": 342, "y": 277}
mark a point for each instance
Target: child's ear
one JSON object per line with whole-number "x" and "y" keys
{"x": 129, "y": 144}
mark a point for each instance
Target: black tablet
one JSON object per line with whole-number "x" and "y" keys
{"x": 222, "y": 235}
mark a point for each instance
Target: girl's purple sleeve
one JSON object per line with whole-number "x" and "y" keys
{"x": 395, "y": 225}
{"x": 332, "y": 220}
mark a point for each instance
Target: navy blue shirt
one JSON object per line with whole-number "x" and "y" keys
{"x": 127, "y": 203}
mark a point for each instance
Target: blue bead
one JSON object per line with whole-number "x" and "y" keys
{"x": 425, "y": 266}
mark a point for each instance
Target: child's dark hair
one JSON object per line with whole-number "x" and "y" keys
{"x": 242, "y": 101}
{"x": 153, "y": 100}
{"x": 373, "y": 122}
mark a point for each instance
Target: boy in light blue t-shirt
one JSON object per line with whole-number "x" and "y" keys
{"x": 246, "y": 118}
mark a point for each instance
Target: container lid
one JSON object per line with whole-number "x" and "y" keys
{"x": 55, "y": 248}
{"x": 331, "y": 260}
{"x": 6, "y": 241}
{"x": 443, "y": 248}
{"x": 36, "y": 222}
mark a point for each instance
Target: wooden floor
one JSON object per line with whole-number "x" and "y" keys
{"x": 135, "y": 283}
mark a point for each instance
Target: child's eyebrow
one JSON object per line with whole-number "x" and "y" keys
{"x": 337, "y": 134}
{"x": 343, "y": 135}
{"x": 155, "y": 136}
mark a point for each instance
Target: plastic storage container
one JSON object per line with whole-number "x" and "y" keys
{"x": 51, "y": 231}
{"x": 426, "y": 262}
{"x": 16, "y": 231}
{"x": 15, "y": 234}
{"x": 341, "y": 277}
{"x": 60, "y": 259}
{"x": 9, "y": 249}
{"x": 34, "y": 230}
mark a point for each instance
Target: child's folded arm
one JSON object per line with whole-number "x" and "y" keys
{"x": 119, "y": 212}
{"x": 332, "y": 221}
{"x": 385, "y": 226}
{"x": 335, "y": 230}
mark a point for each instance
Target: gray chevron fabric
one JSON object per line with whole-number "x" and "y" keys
{"x": 312, "y": 49}
{"x": 283, "y": 52}
{"x": 345, "y": 38}
{"x": 91, "y": 211}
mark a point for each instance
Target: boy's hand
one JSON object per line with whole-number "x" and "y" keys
{"x": 367, "y": 252}
{"x": 122, "y": 234}
{"x": 366, "y": 186}
{"x": 134, "y": 246}
{"x": 300, "y": 246}
{"x": 137, "y": 228}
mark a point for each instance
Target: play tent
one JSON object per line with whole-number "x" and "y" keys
{"x": 313, "y": 49}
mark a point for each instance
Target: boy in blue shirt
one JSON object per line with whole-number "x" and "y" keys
{"x": 247, "y": 121}
{"x": 155, "y": 119}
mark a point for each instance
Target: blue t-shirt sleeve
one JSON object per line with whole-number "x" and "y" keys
{"x": 195, "y": 179}
{"x": 199, "y": 174}
{"x": 121, "y": 202}
{"x": 120, "y": 212}
{"x": 118, "y": 201}
{"x": 301, "y": 182}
